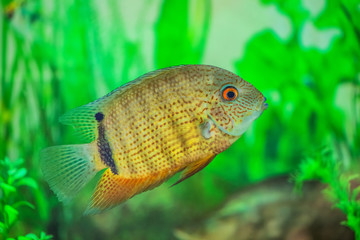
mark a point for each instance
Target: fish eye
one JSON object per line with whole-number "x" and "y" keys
{"x": 229, "y": 93}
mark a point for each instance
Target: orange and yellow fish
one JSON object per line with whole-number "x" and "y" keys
{"x": 167, "y": 121}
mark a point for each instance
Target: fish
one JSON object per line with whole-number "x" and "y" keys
{"x": 170, "y": 120}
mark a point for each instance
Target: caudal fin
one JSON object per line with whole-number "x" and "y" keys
{"x": 68, "y": 168}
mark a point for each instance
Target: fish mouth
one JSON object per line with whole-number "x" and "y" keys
{"x": 265, "y": 105}
{"x": 262, "y": 106}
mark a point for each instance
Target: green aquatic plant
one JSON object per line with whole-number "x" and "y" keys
{"x": 340, "y": 191}
{"x": 13, "y": 177}
{"x": 32, "y": 236}
{"x": 57, "y": 55}
{"x": 305, "y": 107}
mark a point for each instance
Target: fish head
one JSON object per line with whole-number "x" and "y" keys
{"x": 235, "y": 104}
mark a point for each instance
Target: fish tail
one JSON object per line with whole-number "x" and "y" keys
{"x": 68, "y": 168}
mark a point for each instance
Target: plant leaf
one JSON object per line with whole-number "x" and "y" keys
{"x": 24, "y": 238}
{"x": 355, "y": 193}
{"x": 8, "y": 189}
{"x": 2, "y": 227}
{"x": 23, "y": 203}
{"x": 32, "y": 236}
{"x": 20, "y": 173}
{"x": 11, "y": 213}
{"x": 43, "y": 236}
{"x": 27, "y": 181}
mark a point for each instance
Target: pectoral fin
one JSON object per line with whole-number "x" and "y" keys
{"x": 194, "y": 168}
{"x": 206, "y": 128}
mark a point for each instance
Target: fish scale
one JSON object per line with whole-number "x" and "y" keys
{"x": 167, "y": 121}
{"x": 164, "y": 130}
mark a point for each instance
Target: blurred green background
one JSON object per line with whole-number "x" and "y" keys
{"x": 57, "y": 55}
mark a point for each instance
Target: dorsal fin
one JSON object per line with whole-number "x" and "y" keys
{"x": 83, "y": 118}
{"x": 194, "y": 168}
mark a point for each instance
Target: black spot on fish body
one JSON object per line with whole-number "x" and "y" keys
{"x": 99, "y": 116}
{"x": 105, "y": 149}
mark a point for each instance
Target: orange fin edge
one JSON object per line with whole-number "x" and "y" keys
{"x": 193, "y": 168}
{"x": 113, "y": 189}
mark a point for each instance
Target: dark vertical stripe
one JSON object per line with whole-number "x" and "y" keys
{"x": 104, "y": 146}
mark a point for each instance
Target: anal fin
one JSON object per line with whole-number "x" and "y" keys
{"x": 194, "y": 168}
{"x": 113, "y": 189}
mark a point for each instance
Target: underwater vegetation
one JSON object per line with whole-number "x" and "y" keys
{"x": 57, "y": 55}
{"x": 13, "y": 178}
{"x": 342, "y": 190}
